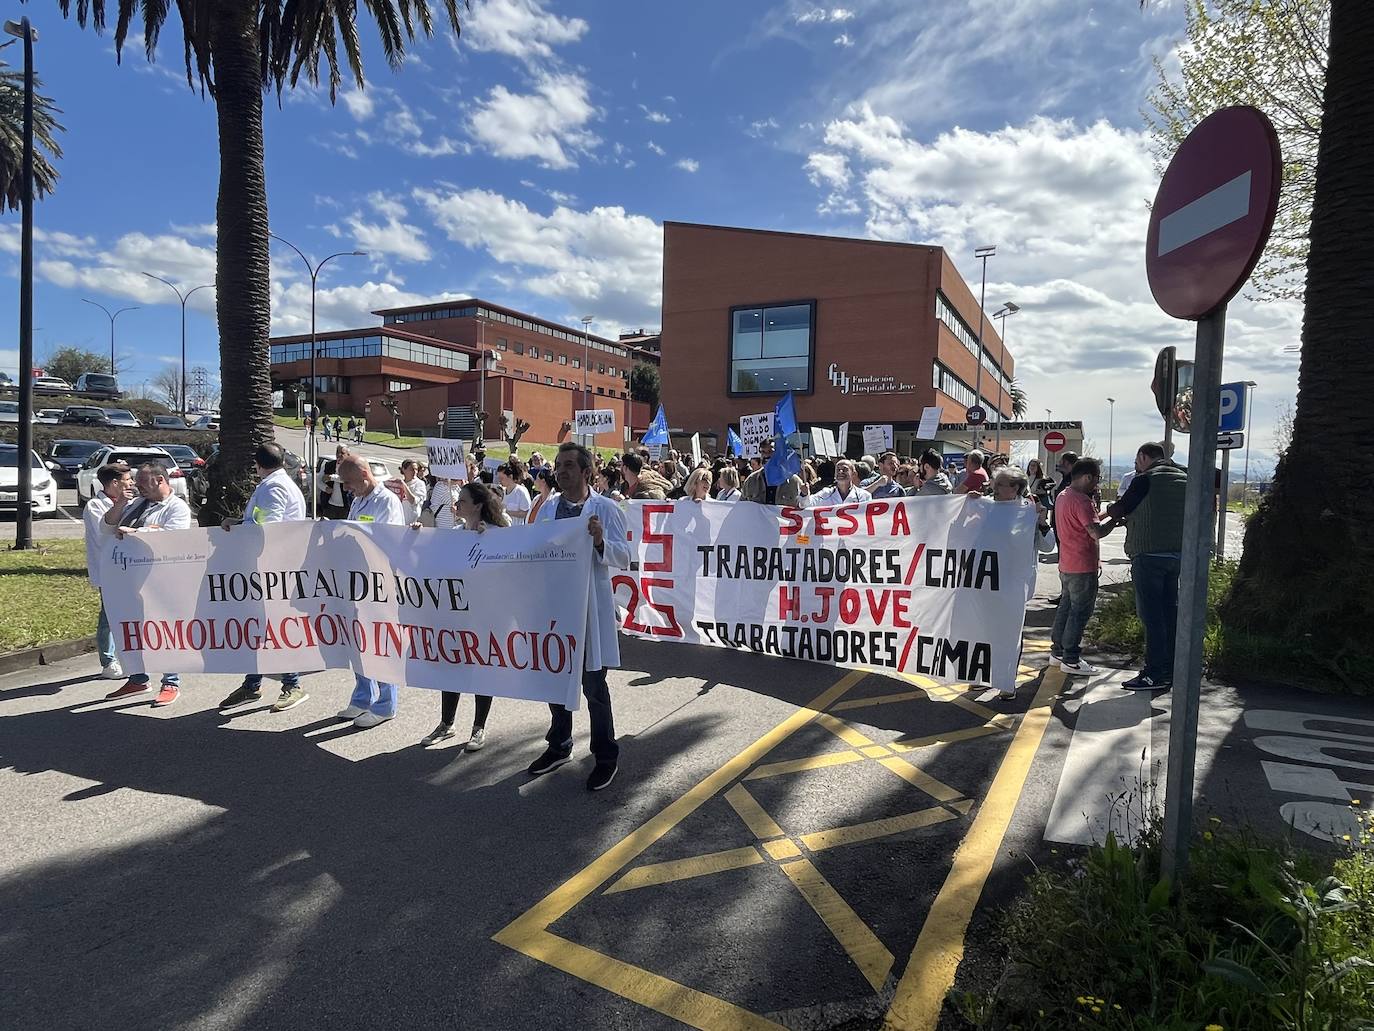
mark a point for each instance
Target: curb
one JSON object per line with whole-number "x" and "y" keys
{"x": 45, "y": 654}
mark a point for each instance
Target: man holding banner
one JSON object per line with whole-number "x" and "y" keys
{"x": 276, "y": 499}
{"x": 573, "y": 469}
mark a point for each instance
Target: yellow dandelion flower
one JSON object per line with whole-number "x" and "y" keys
{"x": 1097, "y": 1009}
{"x": 1116, "y": 1005}
{"x": 1213, "y": 1027}
{"x": 1081, "y": 1001}
{"x": 1215, "y": 819}
{"x": 1345, "y": 837}
{"x": 1206, "y": 835}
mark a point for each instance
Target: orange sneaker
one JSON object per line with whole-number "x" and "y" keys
{"x": 169, "y": 694}
{"x": 130, "y": 689}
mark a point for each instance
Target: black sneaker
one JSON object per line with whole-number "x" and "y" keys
{"x": 1141, "y": 682}
{"x": 243, "y": 694}
{"x": 552, "y": 758}
{"x": 601, "y": 777}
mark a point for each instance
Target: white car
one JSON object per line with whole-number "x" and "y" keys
{"x": 43, "y": 487}
{"x": 87, "y": 485}
{"x": 206, "y": 422}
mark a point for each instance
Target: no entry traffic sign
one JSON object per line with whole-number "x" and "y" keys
{"x": 1213, "y": 212}
{"x": 1054, "y": 441}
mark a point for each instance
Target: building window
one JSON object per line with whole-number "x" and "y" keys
{"x": 610, "y": 370}
{"x": 519, "y": 347}
{"x": 534, "y": 351}
{"x": 601, "y": 369}
{"x": 601, "y": 390}
{"x": 952, "y": 385}
{"x": 955, "y": 323}
{"x": 548, "y": 380}
{"x": 577, "y": 363}
{"x": 548, "y": 356}
{"x": 500, "y": 343}
{"x": 396, "y": 385}
{"x": 562, "y": 359}
{"x": 563, "y": 383}
{"x": 772, "y": 348}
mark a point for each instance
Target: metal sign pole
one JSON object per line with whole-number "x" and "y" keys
{"x": 1192, "y": 595}
{"x": 1222, "y": 504}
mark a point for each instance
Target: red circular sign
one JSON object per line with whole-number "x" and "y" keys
{"x": 1054, "y": 441}
{"x": 1213, "y": 212}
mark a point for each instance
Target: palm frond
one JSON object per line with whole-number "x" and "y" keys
{"x": 45, "y": 128}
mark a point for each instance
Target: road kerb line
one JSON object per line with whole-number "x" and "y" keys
{"x": 929, "y": 973}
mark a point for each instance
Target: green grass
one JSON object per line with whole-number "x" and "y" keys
{"x": 45, "y": 596}
{"x": 369, "y": 436}
{"x": 1117, "y": 627}
{"x": 522, "y": 451}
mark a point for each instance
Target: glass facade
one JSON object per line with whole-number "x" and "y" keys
{"x": 771, "y": 348}
{"x": 374, "y": 347}
{"x": 477, "y": 311}
{"x": 952, "y": 385}
{"x": 955, "y": 323}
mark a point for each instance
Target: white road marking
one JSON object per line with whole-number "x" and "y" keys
{"x": 1228, "y": 203}
{"x": 1110, "y": 736}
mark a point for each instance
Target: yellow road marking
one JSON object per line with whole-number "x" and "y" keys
{"x": 868, "y": 953}
{"x": 882, "y": 699}
{"x": 685, "y": 869}
{"x": 747, "y": 806}
{"x": 919, "y": 778}
{"x": 811, "y": 762}
{"x": 843, "y": 730}
{"x": 822, "y": 840}
{"x": 929, "y": 973}
{"x": 783, "y": 848}
{"x": 875, "y": 751}
{"x": 946, "y": 737}
{"x": 528, "y": 932}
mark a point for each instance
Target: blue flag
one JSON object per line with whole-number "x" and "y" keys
{"x": 786, "y": 460}
{"x": 658, "y": 429}
{"x": 733, "y": 442}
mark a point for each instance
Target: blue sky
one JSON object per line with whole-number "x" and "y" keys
{"x": 534, "y": 160}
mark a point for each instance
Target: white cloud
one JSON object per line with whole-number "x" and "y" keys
{"x": 687, "y": 164}
{"x": 819, "y": 15}
{"x": 844, "y": 39}
{"x": 1065, "y": 204}
{"x": 761, "y": 128}
{"x": 360, "y": 105}
{"x": 604, "y": 260}
{"x": 393, "y": 238}
{"x": 656, "y": 148}
{"x": 548, "y": 125}
{"x": 654, "y": 116}
{"x": 519, "y": 28}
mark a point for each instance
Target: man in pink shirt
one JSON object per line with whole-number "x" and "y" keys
{"x": 1079, "y": 566}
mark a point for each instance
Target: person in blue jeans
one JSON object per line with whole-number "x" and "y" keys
{"x": 1152, "y": 509}
{"x": 115, "y": 481}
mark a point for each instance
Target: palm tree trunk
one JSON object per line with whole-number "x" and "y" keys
{"x": 242, "y": 264}
{"x": 1305, "y": 576}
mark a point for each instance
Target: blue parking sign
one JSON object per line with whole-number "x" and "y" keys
{"x": 1233, "y": 399}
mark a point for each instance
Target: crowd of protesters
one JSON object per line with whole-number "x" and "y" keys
{"x": 580, "y": 484}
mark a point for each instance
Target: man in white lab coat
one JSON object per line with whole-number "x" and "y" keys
{"x": 606, "y": 524}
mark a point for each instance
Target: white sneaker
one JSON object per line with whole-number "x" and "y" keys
{"x": 478, "y": 739}
{"x": 442, "y": 732}
{"x": 370, "y": 719}
{"x": 1006, "y": 693}
{"x": 351, "y": 713}
{"x": 1081, "y": 668}
{"x": 114, "y": 671}
{"x": 1055, "y": 661}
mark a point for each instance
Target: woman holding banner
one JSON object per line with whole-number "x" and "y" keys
{"x": 1011, "y": 486}
{"x": 479, "y": 508}
{"x": 698, "y": 485}
{"x": 543, "y": 480}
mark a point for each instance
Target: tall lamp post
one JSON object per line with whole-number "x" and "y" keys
{"x": 1008, "y": 309}
{"x": 982, "y": 253}
{"x": 183, "y": 298}
{"x": 114, "y": 315}
{"x": 1111, "y": 426}
{"x": 586, "y": 359}
{"x": 314, "y": 271}
{"x": 1249, "y": 421}
{"x": 23, "y": 510}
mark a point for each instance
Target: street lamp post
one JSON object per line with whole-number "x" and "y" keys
{"x": 1249, "y": 421}
{"x": 1111, "y": 425}
{"x": 982, "y": 253}
{"x": 1008, "y": 309}
{"x": 112, "y": 316}
{"x": 23, "y": 510}
{"x": 586, "y": 359}
{"x": 183, "y": 298}
{"x": 314, "y": 271}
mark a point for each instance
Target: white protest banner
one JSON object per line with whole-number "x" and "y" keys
{"x": 842, "y": 440}
{"x": 594, "y": 420}
{"x": 503, "y": 613}
{"x": 446, "y": 458}
{"x": 822, "y": 444}
{"x": 933, "y": 585}
{"x": 877, "y": 439}
{"x": 754, "y": 430}
{"x": 492, "y": 464}
{"x": 930, "y": 423}
{"x": 696, "y": 450}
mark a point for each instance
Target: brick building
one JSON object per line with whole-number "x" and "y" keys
{"x": 428, "y": 357}
{"x": 862, "y": 331}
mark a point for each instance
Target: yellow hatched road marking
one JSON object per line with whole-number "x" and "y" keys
{"x": 882, "y": 699}
{"x": 868, "y": 953}
{"x": 929, "y": 973}
{"x": 822, "y": 840}
{"x": 747, "y": 806}
{"x": 811, "y": 762}
{"x": 685, "y": 869}
{"x": 843, "y": 730}
{"x": 946, "y": 737}
{"x": 919, "y": 778}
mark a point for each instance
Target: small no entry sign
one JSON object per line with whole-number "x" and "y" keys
{"x": 1054, "y": 441}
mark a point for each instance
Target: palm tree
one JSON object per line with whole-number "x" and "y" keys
{"x": 1019, "y": 400}
{"x": 12, "y": 139}
{"x": 238, "y": 50}
{"x": 1304, "y": 579}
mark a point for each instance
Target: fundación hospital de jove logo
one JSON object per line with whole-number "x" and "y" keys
{"x": 848, "y": 384}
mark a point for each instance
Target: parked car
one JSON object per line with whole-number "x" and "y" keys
{"x": 168, "y": 422}
{"x": 84, "y": 415}
{"x": 49, "y": 415}
{"x": 192, "y": 467}
{"x": 87, "y": 485}
{"x": 43, "y": 487}
{"x": 51, "y": 385}
{"x": 205, "y": 422}
{"x": 9, "y": 411}
{"x": 121, "y": 417}
{"x": 5, "y": 380}
{"x": 98, "y": 383}
{"x": 325, "y": 475}
{"x": 68, "y": 455}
